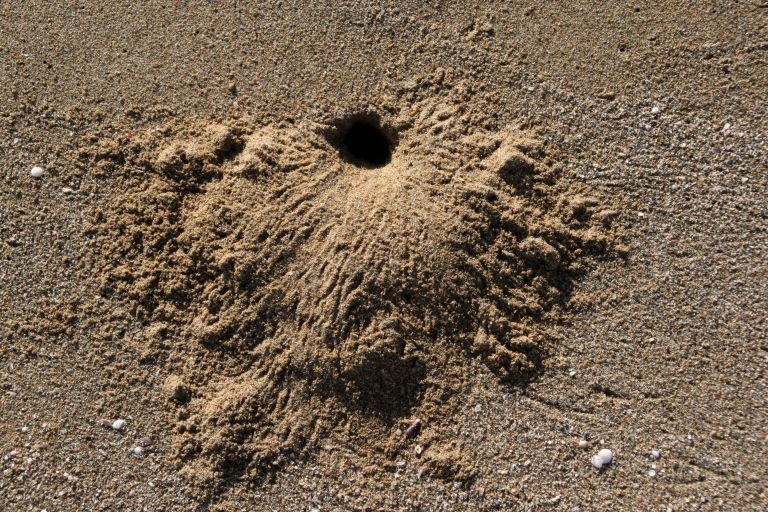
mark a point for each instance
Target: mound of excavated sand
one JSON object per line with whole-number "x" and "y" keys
{"x": 314, "y": 281}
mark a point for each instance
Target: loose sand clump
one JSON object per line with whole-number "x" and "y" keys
{"x": 299, "y": 295}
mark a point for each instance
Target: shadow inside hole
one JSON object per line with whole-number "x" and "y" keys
{"x": 365, "y": 144}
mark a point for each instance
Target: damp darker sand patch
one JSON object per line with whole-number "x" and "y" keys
{"x": 296, "y": 302}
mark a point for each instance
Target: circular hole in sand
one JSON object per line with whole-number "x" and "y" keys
{"x": 366, "y": 144}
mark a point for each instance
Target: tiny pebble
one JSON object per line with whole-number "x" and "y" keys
{"x": 655, "y": 110}
{"x": 478, "y": 408}
{"x": 118, "y": 424}
{"x": 572, "y": 373}
{"x": 419, "y": 449}
{"x": 67, "y": 190}
{"x": 105, "y": 422}
{"x": 655, "y": 454}
{"x": 648, "y": 127}
{"x": 583, "y": 443}
{"x": 24, "y": 430}
{"x": 36, "y": 172}
{"x": 651, "y": 473}
{"x": 602, "y": 458}
{"x": 414, "y": 429}
{"x": 138, "y": 451}
{"x": 147, "y": 441}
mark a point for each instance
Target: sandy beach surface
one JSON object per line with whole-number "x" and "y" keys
{"x": 353, "y": 255}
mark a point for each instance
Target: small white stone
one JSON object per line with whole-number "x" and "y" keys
{"x": 572, "y": 373}
{"x": 648, "y": 127}
{"x": 602, "y": 458}
{"x": 24, "y": 430}
{"x": 655, "y": 454}
{"x": 726, "y": 127}
{"x": 478, "y": 408}
{"x": 583, "y": 443}
{"x": 138, "y": 451}
{"x": 655, "y": 110}
{"x": 744, "y": 179}
{"x": 651, "y": 473}
{"x": 36, "y": 172}
{"x": 419, "y": 449}
{"x": 118, "y": 424}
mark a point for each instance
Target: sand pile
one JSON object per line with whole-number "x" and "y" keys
{"x": 302, "y": 285}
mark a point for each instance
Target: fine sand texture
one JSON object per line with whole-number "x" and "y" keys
{"x": 331, "y": 256}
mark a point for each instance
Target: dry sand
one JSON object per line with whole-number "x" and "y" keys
{"x": 565, "y": 251}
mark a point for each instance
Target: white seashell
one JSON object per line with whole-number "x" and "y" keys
{"x": 602, "y": 458}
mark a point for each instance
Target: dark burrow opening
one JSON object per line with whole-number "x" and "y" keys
{"x": 366, "y": 144}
